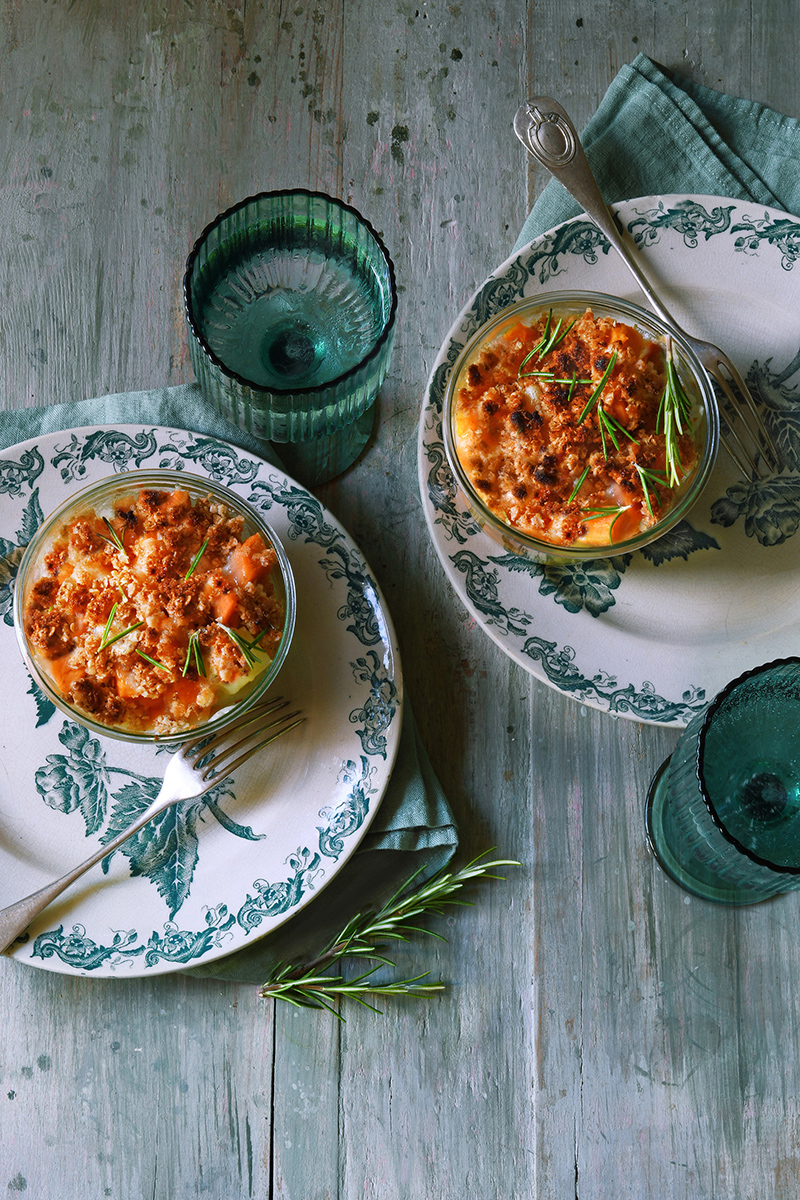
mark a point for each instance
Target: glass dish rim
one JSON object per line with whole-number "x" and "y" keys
{"x": 373, "y": 355}
{"x": 719, "y": 699}
{"x": 540, "y": 549}
{"x": 124, "y": 480}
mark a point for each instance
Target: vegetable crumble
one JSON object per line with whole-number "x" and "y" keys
{"x": 157, "y": 617}
{"x": 575, "y": 432}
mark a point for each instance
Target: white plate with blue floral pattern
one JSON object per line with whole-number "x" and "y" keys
{"x": 654, "y": 635}
{"x": 213, "y": 874}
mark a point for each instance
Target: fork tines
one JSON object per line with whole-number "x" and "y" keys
{"x": 744, "y": 433}
{"x": 217, "y": 755}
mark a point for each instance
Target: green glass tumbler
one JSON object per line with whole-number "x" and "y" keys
{"x": 723, "y": 812}
{"x": 290, "y": 302}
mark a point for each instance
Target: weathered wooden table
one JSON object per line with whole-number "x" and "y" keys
{"x": 602, "y": 1035}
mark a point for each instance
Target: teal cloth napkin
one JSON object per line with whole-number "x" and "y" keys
{"x": 656, "y": 133}
{"x": 413, "y": 830}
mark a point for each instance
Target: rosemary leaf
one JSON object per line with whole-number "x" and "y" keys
{"x": 674, "y": 411}
{"x": 550, "y": 376}
{"x": 114, "y": 535}
{"x": 579, "y": 484}
{"x": 107, "y": 629}
{"x": 598, "y": 391}
{"x": 654, "y": 480}
{"x": 117, "y": 636}
{"x": 198, "y": 659}
{"x": 248, "y": 650}
{"x": 193, "y": 652}
{"x": 196, "y": 560}
{"x": 153, "y": 661}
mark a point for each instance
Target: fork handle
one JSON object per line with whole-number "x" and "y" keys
{"x": 546, "y": 131}
{"x": 16, "y": 918}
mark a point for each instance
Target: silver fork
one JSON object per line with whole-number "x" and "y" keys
{"x": 198, "y": 766}
{"x": 546, "y": 131}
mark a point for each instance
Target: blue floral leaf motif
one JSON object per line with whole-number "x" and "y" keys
{"x": 305, "y": 513}
{"x": 687, "y": 217}
{"x": 166, "y": 849}
{"x": 272, "y": 899}
{"x": 231, "y": 826}
{"x": 77, "y": 950}
{"x": 32, "y": 517}
{"x": 168, "y": 855}
{"x": 45, "y": 708}
{"x": 580, "y": 238}
{"x": 180, "y": 945}
{"x": 481, "y": 589}
{"x": 583, "y": 586}
{"x": 518, "y": 564}
{"x": 106, "y": 445}
{"x": 780, "y": 405}
{"x": 10, "y": 556}
{"x": 457, "y": 525}
{"x": 379, "y": 708}
{"x": 781, "y": 232}
{"x": 362, "y": 602}
{"x": 439, "y": 379}
{"x": 726, "y": 510}
{"x": 217, "y": 458}
{"x": 771, "y": 508}
{"x": 347, "y": 817}
{"x": 78, "y": 779}
{"x": 560, "y": 669}
{"x": 496, "y": 294}
{"x": 577, "y": 587}
{"x": 679, "y": 542}
{"x": 23, "y": 472}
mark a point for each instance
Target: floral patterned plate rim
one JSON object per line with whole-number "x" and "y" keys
{"x": 654, "y": 635}
{"x": 212, "y": 875}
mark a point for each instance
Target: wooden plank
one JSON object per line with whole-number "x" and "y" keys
{"x": 600, "y": 1035}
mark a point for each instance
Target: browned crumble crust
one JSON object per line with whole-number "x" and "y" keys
{"x": 522, "y": 444}
{"x": 92, "y": 591}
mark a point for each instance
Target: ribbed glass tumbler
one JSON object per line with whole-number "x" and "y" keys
{"x": 723, "y": 813}
{"x": 291, "y": 301}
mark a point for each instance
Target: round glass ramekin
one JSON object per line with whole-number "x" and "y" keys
{"x": 101, "y": 497}
{"x": 705, "y": 422}
{"x": 291, "y": 302}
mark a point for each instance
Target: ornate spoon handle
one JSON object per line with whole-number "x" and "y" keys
{"x": 546, "y": 132}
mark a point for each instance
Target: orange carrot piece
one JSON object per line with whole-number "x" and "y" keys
{"x": 225, "y": 605}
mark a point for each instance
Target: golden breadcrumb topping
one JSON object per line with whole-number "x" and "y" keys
{"x": 152, "y": 619}
{"x": 566, "y": 445}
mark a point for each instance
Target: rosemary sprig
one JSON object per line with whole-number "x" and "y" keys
{"x": 114, "y": 535}
{"x": 655, "y": 480}
{"x": 550, "y": 376}
{"x": 609, "y": 427}
{"x": 579, "y": 484}
{"x": 549, "y": 342}
{"x": 674, "y": 411}
{"x": 107, "y": 629}
{"x": 598, "y": 391}
{"x": 196, "y": 560}
{"x": 153, "y": 661}
{"x": 248, "y": 649}
{"x": 193, "y": 652}
{"x": 537, "y": 350}
{"x": 595, "y": 514}
{"x": 310, "y": 985}
{"x": 110, "y": 642}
